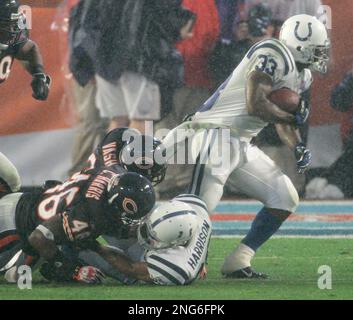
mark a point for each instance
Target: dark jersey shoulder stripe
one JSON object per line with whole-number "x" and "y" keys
{"x": 279, "y": 48}
{"x": 287, "y": 51}
{"x": 8, "y": 240}
{"x": 215, "y": 96}
{"x": 170, "y": 265}
{"x": 164, "y": 273}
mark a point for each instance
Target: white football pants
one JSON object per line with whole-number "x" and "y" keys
{"x": 218, "y": 153}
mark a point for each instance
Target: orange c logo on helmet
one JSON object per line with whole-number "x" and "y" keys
{"x": 130, "y": 206}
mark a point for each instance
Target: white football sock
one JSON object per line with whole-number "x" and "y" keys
{"x": 240, "y": 258}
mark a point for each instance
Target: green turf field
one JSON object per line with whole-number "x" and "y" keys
{"x": 292, "y": 264}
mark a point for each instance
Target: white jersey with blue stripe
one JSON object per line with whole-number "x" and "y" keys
{"x": 181, "y": 265}
{"x": 227, "y": 106}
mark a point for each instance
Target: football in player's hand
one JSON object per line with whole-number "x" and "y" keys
{"x": 285, "y": 99}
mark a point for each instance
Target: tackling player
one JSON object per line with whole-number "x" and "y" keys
{"x": 74, "y": 213}
{"x": 241, "y": 107}
{"x": 134, "y": 152}
{"x": 15, "y": 44}
{"x": 172, "y": 245}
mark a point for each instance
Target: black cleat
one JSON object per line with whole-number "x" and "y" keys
{"x": 246, "y": 273}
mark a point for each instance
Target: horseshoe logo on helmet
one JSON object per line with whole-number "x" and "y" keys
{"x": 130, "y": 206}
{"x": 303, "y": 38}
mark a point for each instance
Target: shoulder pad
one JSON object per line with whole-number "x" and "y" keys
{"x": 280, "y": 48}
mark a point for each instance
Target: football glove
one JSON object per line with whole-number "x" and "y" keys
{"x": 303, "y": 156}
{"x": 40, "y": 86}
{"x": 89, "y": 275}
{"x": 302, "y": 115}
{"x": 59, "y": 271}
{"x": 62, "y": 269}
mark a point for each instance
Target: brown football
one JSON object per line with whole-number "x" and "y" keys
{"x": 286, "y": 99}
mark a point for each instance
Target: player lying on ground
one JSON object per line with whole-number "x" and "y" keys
{"x": 170, "y": 247}
{"x": 15, "y": 44}
{"x": 75, "y": 213}
{"x": 131, "y": 150}
{"x": 135, "y": 153}
{"x": 237, "y": 112}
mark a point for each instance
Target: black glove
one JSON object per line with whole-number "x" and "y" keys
{"x": 303, "y": 156}
{"x": 52, "y": 273}
{"x": 302, "y": 115}
{"x": 80, "y": 273}
{"x": 60, "y": 268}
{"x": 40, "y": 86}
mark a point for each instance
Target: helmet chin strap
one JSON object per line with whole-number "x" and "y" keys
{"x": 301, "y": 66}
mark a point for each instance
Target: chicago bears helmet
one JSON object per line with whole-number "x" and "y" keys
{"x": 132, "y": 194}
{"x": 168, "y": 225}
{"x": 307, "y": 39}
{"x": 144, "y": 155}
{"x": 10, "y": 21}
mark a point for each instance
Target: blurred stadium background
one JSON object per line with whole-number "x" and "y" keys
{"x": 37, "y": 136}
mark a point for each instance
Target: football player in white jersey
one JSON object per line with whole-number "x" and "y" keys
{"x": 171, "y": 249}
{"x": 237, "y": 112}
